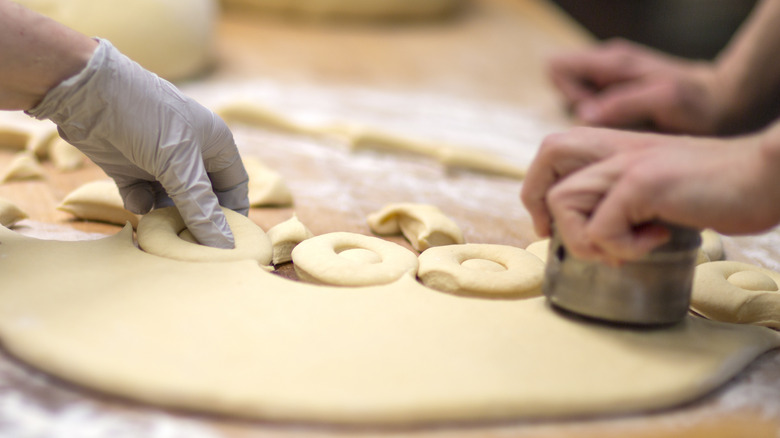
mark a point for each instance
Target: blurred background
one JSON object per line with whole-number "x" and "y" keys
{"x": 689, "y": 28}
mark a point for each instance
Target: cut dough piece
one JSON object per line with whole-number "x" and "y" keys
{"x": 479, "y": 161}
{"x": 266, "y": 186}
{"x": 13, "y": 137}
{"x": 252, "y": 114}
{"x": 162, "y": 232}
{"x": 359, "y": 137}
{"x": 24, "y": 166}
{"x": 228, "y": 338}
{"x": 540, "y": 249}
{"x": 737, "y": 292}
{"x": 712, "y": 245}
{"x": 173, "y": 38}
{"x": 10, "y": 213}
{"x": 286, "y": 236}
{"x": 65, "y": 156}
{"x": 349, "y": 259}
{"x": 352, "y": 9}
{"x": 423, "y": 225}
{"x": 98, "y": 201}
{"x": 485, "y": 270}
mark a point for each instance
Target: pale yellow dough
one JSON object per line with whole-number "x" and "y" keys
{"x": 486, "y": 270}
{"x": 423, "y": 225}
{"x": 349, "y": 259}
{"x": 229, "y": 338}
{"x": 266, "y": 186}
{"x": 23, "y": 166}
{"x": 737, "y": 292}
{"x": 65, "y": 156}
{"x": 98, "y": 201}
{"x": 540, "y": 248}
{"x": 285, "y": 236}
{"x": 163, "y": 232}
{"x": 10, "y": 213}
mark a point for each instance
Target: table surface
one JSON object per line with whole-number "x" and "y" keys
{"x": 475, "y": 80}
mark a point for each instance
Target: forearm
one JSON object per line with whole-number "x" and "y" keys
{"x": 748, "y": 66}
{"x": 36, "y": 53}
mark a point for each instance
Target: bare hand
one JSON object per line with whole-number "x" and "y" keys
{"x": 603, "y": 186}
{"x": 621, "y": 84}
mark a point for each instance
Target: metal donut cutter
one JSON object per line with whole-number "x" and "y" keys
{"x": 652, "y": 291}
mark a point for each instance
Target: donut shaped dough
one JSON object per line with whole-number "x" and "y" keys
{"x": 737, "y": 292}
{"x": 98, "y": 201}
{"x": 423, "y": 225}
{"x": 483, "y": 270}
{"x": 173, "y": 38}
{"x": 162, "y": 232}
{"x": 349, "y": 259}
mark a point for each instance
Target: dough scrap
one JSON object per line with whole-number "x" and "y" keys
{"x": 98, "y": 201}
{"x": 173, "y": 38}
{"x": 65, "y": 156}
{"x": 423, "y": 225}
{"x": 10, "y": 213}
{"x": 457, "y": 158}
{"x": 229, "y": 338}
{"x": 249, "y": 113}
{"x": 484, "y": 270}
{"x": 712, "y": 245}
{"x": 22, "y": 167}
{"x": 162, "y": 232}
{"x": 351, "y": 9}
{"x": 737, "y": 292}
{"x": 285, "y": 236}
{"x": 266, "y": 186}
{"x": 349, "y": 259}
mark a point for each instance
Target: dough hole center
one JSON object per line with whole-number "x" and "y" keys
{"x": 753, "y": 280}
{"x": 483, "y": 265}
{"x": 360, "y": 255}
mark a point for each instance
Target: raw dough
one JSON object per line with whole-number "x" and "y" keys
{"x": 737, "y": 292}
{"x": 491, "y": 271}
{"x": 22, "y": 167}
{"x": 12, "y": 137}
{"x": 252, "y": 114}
{"x": 285, "y": 236}
{"x": 162, "y": 232}
{"x": 266, "y": 186}
{"x": 540, "y": 248}
{"x": 712, "y": 245}
{"x": 98, "y": 201}
{"x": 457, "y": 158}
{"x": 173, "y": 38}
{"x": 10, "y": 213}
{"x": 230, "y": 338}
{"x": 349, "y": 259}
{"x": 351, "y": 9}
{"x": 423, "y": 225}
{"x": 65, "y": 156}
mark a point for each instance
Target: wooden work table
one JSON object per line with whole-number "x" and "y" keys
{"x": 476, "y": 79}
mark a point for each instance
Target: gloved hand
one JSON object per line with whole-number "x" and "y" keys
{"x": 159, "y": 146}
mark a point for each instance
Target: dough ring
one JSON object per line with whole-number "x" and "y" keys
{"x": 483, "y": 270}
{"x": 162, "y": 232}
{"x": 737, "y": 292}
{"x": 349, "y": 259}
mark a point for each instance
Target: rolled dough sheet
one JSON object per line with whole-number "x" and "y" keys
{"x": 231, "y": 338}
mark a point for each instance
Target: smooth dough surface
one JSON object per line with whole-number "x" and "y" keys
{"x": 266, "y": 186}
{"x": 480, "y": 269}
{"x": 737, "y": 292}
{"x": 10, "y": 213}
{"x": 23, "y": 166}
{"x": 230, "y": 338}
{"x": 285, "y": 236}
{"x": 98, "y": 201}
{"x": 423, "y": 225}
{"x": 349, "y": 259}
{"x": 163, "y": 232}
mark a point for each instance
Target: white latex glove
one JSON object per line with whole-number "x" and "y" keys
{"x": 160, "y": 147}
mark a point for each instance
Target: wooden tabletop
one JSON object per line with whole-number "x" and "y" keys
{"x": 476, "y": 80}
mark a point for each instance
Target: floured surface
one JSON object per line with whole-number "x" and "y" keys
{"x": 270, "y": 348}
